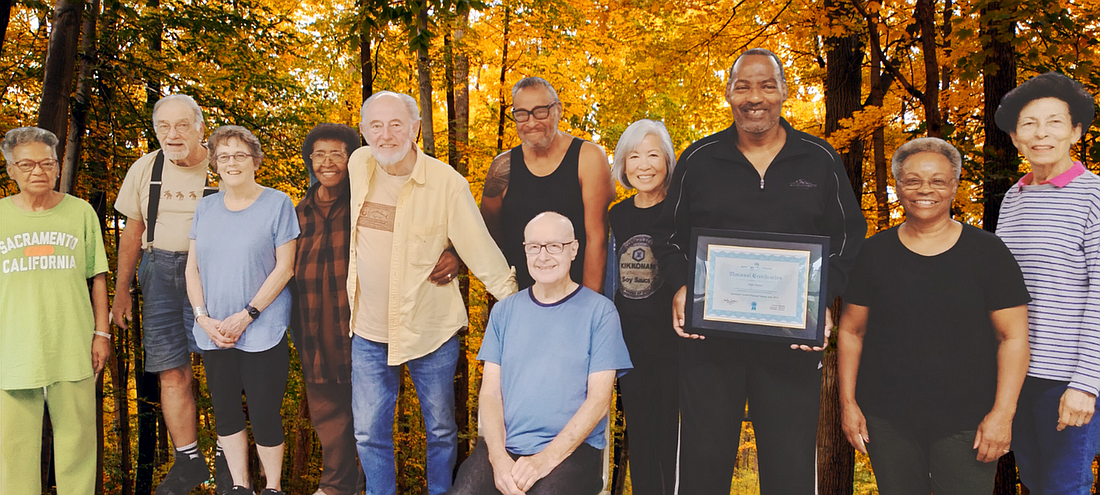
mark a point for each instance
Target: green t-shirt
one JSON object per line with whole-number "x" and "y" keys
{"x": 46, "y": 321}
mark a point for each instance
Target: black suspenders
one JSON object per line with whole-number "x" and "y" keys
{"x": 154, "y": 196}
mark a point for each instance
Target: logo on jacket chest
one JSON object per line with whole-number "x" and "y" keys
{"x": 802, "y": 184}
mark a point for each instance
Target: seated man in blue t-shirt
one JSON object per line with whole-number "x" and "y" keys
{"x": 552, "y": 353}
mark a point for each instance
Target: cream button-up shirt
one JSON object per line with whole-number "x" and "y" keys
{"x": 435, "y": 209}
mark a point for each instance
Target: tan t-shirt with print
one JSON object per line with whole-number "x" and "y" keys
{"x": 374, "y": 247}
{"x": 180, "y": 192}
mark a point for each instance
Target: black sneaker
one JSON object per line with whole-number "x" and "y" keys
{"x": 241, "y": 490}
{"x": 222, "y": 476}
{"x": 185, "y": 475}
{"x": 271, "y": 491}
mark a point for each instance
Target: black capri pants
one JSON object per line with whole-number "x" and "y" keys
{"x": 262, "y": 377}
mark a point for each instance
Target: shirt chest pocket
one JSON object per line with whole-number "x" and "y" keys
{"x": 426, "y": 243}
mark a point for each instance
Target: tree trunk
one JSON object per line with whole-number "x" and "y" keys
{"x": 620, "y": 454}
{"x": 57, "y": 82}
{"x": 303, "y": 446}
{"x": 502, "y": 102}
{"x": 5, "y": 15}
{"x": 402, "y": 430}
{"x": 75, "y": 139}
{"x": 120, "y": 384}
{"x": 458, "y": 117}
{"x": 148, "y": 393}
{"x": 424, "y": 73}
{"x": 47, "y": 453}
{"x": 366, "y": 64}
{"x": 1000, "y": 164}
{"x": 148, "y": 384}
{"x": 945, "y": 71}
{"x": 926, "y": 16}
{"x": 998, "y": 78}
{"x": 843, "y": 80}
{"x": 882, "y": 167}
{"x": 449, "y": 81}
{"x": 879, "y": 86}
{"x": 462, "y": 92}
{"x": 99, "y": 202}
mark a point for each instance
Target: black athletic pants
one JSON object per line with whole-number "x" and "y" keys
{"x": 652, "y": 407}
{"x": 783, "y": 388}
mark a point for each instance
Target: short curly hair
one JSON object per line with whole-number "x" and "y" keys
{"x": 330, "y": 132}
{"x": 926, "y": 145}
{"x": 226, "y": 132}
{"x": 1050, "y": 85}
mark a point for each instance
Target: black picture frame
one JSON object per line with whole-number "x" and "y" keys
{"x": 802, "y": 322}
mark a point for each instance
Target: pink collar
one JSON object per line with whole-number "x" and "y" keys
{"x": 1060, "y": 181}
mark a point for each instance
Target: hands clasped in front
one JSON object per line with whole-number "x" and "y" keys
{"x": 515, "y": 477}
{"x": 225, "y": 333}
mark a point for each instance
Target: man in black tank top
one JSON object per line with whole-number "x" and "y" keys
{"x": 549, "y": 171}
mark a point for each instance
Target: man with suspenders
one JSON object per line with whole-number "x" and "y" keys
{"x": 158, "y": 197}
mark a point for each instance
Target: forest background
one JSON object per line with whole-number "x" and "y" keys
{"x": 867, "y": 74}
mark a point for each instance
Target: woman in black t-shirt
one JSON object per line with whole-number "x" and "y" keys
{"x": 644, "y": 159}
{"x": 935, "y": 329}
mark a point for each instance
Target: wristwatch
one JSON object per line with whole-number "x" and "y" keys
{"x": 253, "y": 312}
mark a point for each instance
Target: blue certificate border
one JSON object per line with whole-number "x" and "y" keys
{"x": 811, "y": 333}
{"x": 802, "y": 260}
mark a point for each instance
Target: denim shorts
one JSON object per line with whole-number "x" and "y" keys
{"x": 166, "y": 315}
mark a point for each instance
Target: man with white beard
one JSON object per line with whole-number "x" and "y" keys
{"x": 407, "y": 208}
{"x": 158, "y": 197}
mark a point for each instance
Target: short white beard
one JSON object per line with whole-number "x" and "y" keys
{"x": 386, "y": 158}
{"x": 177, "y": 155}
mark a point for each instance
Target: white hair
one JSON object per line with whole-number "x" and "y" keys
{"x": 23, "y": 135}
{"x": 410, "y": 104}
{"x": 631, "y": 138}
{"x": 188, "y": 101}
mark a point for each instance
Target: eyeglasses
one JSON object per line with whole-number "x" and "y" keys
{"x": 937, "y": 184}
{"x": 533, "y": 248}
{"x": 322, "y": 156}
{"x": 237, "y": 157}
{"x": 48, "y": 165}
{"x": 163, "y": 128}
{"x": 540, "y": 112}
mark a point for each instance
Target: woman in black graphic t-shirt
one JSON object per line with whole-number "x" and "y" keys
{"x": 644, "y": 159}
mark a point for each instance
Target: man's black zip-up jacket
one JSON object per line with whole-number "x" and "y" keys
{"x": 805, "y": 190}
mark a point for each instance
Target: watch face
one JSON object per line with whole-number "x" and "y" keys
{"x": 253, "y": 312}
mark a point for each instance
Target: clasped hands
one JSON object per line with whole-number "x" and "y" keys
{"x": 225, "y": 333}
{"x": 515, "y": 477}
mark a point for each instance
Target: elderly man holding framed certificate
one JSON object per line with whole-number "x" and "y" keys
{"x": 789, "y": 230}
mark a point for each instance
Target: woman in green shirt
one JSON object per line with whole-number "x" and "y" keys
{"x": 50, "y": 245}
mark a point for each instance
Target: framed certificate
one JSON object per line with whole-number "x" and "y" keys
{"x": 761, "y": 286}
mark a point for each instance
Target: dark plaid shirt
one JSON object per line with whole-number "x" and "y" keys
{"x": 321, "y": 308}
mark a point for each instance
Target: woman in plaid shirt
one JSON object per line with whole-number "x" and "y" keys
{"x": 321, "y": 312}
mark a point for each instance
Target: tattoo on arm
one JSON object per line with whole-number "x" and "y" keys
{"x": 496, "y": 180}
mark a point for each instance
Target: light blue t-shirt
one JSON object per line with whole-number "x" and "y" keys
{"x": 545, "y": 353}
{"x": 236, "y": 253}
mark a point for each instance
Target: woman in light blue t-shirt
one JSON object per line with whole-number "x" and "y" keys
{"x": 240, "y": 260}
